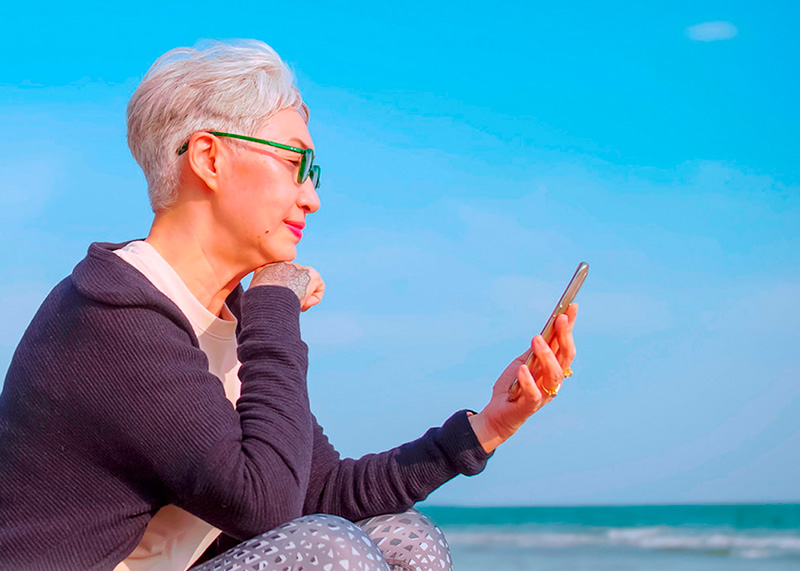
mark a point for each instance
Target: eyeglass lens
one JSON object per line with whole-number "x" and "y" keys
{"x": 308, "y": 168}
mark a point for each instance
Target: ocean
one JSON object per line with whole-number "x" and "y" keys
{"x": 746, "y": 537}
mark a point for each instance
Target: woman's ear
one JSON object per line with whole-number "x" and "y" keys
{"x": 206, "y": 155}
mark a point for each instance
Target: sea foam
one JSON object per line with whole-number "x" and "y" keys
{"x": 662, "y": 538}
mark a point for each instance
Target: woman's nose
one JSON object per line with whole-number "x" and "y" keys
{"x": 308, "y": 199}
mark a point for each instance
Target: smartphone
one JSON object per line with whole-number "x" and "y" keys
{"x": 547, "y": 331}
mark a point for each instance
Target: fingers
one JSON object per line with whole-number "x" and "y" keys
{"x": 565, "y": 352}
{"x": 538, "y": 381}
{"x": 311, "y": 300}
{"x": 317, "y": 288}
{"x": 572, "y": 313}
{"x": 550, "y": 369}
{"x": 564, "y": 345}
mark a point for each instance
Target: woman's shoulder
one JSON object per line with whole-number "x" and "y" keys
{"x": 106, "y": 327}
{"x": 108, "y": 308}
{"x": 105, "y": 277}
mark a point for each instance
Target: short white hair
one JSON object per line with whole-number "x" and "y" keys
{"x": 232, "y": 86}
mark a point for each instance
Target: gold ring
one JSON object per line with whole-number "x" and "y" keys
{"x": 552, "y": 392}
{"x": 567, "y": 373}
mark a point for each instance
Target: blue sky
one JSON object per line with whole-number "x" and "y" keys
{"x": 471, "y": 158}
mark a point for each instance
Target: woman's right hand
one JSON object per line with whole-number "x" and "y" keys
{"x": 304, "y": 281}
{"x": 503, "y": 416}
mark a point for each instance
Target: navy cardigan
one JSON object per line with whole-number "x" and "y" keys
{"x": 109, "y": 412}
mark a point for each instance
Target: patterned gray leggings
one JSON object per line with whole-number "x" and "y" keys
{"x": 408, "y": 541}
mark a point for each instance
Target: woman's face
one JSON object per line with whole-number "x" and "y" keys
{"x": 260, "y": 203}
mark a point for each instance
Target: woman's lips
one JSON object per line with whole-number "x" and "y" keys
{"x": 296, "y": 229}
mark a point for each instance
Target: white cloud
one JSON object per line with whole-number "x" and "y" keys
{"x": 711, "y": 31}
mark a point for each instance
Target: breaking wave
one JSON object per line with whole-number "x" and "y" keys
{"x": 751, "y": 545}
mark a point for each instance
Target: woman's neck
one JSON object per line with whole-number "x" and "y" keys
{"x": 184, "y": 243}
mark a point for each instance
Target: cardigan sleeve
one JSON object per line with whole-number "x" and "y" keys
{"x": 391, "y": 481}
{"x": 167, "y": 427}
{"x": 171, "y": 430}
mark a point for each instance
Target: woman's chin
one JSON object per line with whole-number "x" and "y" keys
{"x": 283, "y": 255}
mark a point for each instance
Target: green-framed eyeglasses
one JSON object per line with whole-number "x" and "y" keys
{"x": 307, "y": 166}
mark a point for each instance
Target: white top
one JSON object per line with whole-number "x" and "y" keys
{"x": 174, "y": 538}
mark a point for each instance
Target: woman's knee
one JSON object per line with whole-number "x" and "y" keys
{"x": 409, "y": 541}
{"x": 322, "y": 541}
{"x": 339, "y": 540}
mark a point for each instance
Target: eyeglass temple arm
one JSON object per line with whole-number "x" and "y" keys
{"x": 254, "y": 140}
{"x": 185, "y": 146}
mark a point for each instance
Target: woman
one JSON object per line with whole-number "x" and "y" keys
{"x": 153, "y": 404}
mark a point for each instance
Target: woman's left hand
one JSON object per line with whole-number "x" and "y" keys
{"x": 502, "y": 417}
{"x": 304, "y": 281}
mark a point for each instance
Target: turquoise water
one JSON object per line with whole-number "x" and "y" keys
{"x": 664, "y": 538}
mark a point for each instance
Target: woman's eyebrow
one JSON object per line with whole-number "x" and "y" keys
{"x": 298, "y": 142}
